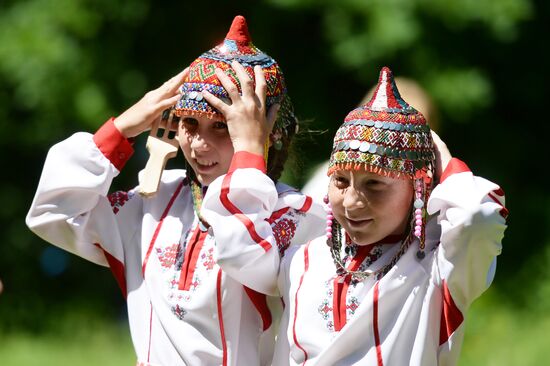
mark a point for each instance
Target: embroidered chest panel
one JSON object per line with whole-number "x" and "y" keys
{"x": 350, "y": 299}
{"x": 188, "y": 272}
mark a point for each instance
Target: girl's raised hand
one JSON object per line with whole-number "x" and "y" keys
{"x": 247, "y": 123}
{"x": 147, "y": 110}
{"x": 442, "y": 155}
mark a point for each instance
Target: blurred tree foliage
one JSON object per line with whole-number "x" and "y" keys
{"x": 68, "y": 65}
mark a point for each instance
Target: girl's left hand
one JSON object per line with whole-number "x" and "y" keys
{"x": 148, "y": 110}
{"x": 248, "y": 123}
{"x": 442, "y": 155}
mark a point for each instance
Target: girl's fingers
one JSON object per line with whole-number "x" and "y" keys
{"x": 247, "y": 84}
{"x": 177, "y": 80}
{"x": 215, "y": 102}
{"x": 168, "y": 102}
{"x": 261, "y": 85}
{"x": 172, "y": 85}
{"x": 228, "y": 85}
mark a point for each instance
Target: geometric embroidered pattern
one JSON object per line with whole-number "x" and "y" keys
{"x": 386, "y": 136}
{"x": 237, "y": 46}
{"x": 119, "y": 198}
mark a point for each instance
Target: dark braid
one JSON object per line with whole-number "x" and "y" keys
{"x": 277, "y": 158}
{"x": 287, "y": 125}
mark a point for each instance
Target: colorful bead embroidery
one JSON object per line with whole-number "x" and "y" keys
{"x": 385, "y": 136}
{"x": 119, "y": 198}
{"x": 237, "y": 46}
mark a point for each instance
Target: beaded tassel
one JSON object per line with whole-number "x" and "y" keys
{"x": 419, "y": 217}
{"x": 330, "y": 217}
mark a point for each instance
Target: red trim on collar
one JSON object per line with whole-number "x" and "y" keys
{"x": 454, "y": 166}
{"x": 341, "y": 285}
{"x": 117, "y": 148}
{"x": 245, "y": 159}
{"x": 192, "y": 251}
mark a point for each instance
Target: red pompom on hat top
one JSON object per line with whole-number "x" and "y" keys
{"x": 239, "y": 30}
{"x": 237, "y": 46}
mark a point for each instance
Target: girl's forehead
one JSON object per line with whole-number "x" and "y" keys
{"x": 362, "y": 174}
{"x": 202, "y": 118}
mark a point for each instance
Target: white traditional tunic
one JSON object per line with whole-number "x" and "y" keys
{"x": 183, "y": 309}
{"x": 414, "y": 315}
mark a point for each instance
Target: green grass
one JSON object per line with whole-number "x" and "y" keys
{"x": 496, "y": 334}
{"x": 88, "y": 343}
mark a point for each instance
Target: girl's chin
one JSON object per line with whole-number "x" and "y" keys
{"x": 362, "y": 239}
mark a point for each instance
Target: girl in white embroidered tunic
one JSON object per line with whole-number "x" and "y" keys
{"x": 183, "y": 309}
{"x": 411, "y": 240}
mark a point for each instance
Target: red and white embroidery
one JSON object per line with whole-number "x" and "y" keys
{"x": 325, "y": 309}
{"x": 168, "y": 255}
{"x": 352, "y": 303}
{"x": 208, "y": 259}
{"x": 285, "y": 228}
{"x": 119, "y": 198}
{"x": 179, "y": 312}
{"x": 171, "y": 258}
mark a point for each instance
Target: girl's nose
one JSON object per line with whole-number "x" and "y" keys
{"x": 353, "y": 199}
{"x": 199, "y": 143}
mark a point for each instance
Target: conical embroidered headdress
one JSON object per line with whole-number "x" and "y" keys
{"x": 389, "y": 137}
{"x": 386, "y": 136}
{"x": 236, "y": 46}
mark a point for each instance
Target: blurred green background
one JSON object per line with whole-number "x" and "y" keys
{"x": 68, "y": 65}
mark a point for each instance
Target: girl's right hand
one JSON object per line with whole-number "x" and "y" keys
{"x": 248, "y": 123}
{"x": 147, "y": 110}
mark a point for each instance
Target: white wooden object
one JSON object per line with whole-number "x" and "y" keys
{"x": 160, "y": 150}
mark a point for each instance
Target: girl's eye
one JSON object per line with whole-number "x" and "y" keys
{"x": 374, "y": 184}
{"x": 190, "y": 124}
{"x": 340, "y": 182}
{"x": 219, "y": 125}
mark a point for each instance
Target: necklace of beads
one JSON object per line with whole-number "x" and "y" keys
{"x": 197, "y": 195}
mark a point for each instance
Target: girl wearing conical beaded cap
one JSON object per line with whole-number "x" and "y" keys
{"x": 405, "y": 256}
{"x": 183, "y": 308}
{"x": 389, "y": 137}
{"x": 203, "y": 79}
